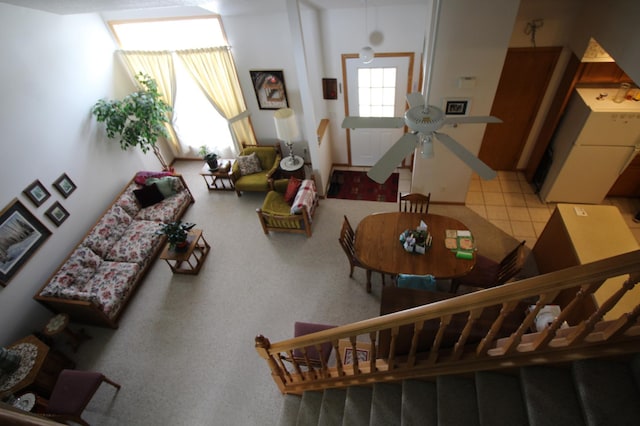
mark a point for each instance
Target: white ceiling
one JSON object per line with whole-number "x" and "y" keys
{"x": 222, "y": 7}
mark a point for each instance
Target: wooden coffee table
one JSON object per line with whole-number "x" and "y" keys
{"x": 190, "y": 260}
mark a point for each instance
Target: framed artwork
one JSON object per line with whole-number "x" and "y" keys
{"x": 363, "y": 351}
{"x": 64, "y": 185}
{"x": 57, "y": 213}
{"x": 459, "y": 106}
{"x": 21, "y": 234}
{"x": 270, "y": 89}
{"x": 330, "y": 88}
{"x": 37, "y": 193}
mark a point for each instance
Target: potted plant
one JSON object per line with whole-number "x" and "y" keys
{"x": 176, "y": 233}
{"x": 210, "y": 157}
{"x": 138, "y": 120}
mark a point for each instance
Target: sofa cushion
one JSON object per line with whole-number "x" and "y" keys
{"x": 292, "y": 189}
{"x": 166, "y": 185}
{"x": 128, "y": 201}
{"x": 306, "y": 197}
{"x": 111, "y": 285}
{"x": 141, "y": 177}
{"x": 137, "y": 243}
{"x": 74, "y": 274}
{"x": 108, "y": 230}
{"x": 148, "y": 195}
{"x": 249, "y": 164}
{"x": 166, "y": 211}
{"x": 275, "y": 204}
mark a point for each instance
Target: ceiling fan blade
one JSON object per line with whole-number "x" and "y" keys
{"x": 415, "y": 99}
{"x": 484, "y": 171}
{"x": 472, "y": 119}
{"x": 372, "y": 122}
{"x": 381, "y": 171}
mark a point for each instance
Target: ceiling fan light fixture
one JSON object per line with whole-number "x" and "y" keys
{"x": 366, "y": 55}
{"x": 426, "y": 147}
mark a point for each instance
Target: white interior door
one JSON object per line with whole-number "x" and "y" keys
{"x": 364, "y": 92}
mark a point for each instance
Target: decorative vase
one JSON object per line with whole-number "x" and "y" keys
{"x": 213, "y": 163}
{"x": 9, "y": 360}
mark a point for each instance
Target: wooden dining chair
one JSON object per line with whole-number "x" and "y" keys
{"x": 414, "y": 202}
{"x": 347, "y": 241}
{"x": 489, "y": 273}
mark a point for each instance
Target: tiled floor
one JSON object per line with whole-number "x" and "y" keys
{"x": 510, "y": 203}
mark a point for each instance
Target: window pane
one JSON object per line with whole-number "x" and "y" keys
{"x": 376, "y": 92}
{"x": 364, "y": 77}
{"x": 364, "y": 96}
{"x": 376, "y": 111}
{"x": 365, "y": 111}
{"x": 390, "y": 77}
{"x": 376, "y": 96}
{"x": 388, "y": 96}
{"x": 377, "y": 77}
{"x": 388, "y": 111}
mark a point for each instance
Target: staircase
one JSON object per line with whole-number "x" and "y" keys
{"x": 584, "y": 392}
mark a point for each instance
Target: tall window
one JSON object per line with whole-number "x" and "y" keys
{"x": 195, "y": 121}
{"x": 376, "y": 92}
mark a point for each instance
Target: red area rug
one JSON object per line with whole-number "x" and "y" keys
{"x": 349, "y": 185}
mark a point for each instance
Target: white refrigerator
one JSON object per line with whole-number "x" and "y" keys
{"x": 595, "y": 141}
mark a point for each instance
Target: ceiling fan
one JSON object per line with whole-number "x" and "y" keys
{"x": 424, "y": 121}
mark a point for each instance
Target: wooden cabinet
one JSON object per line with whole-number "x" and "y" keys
{"x": 601, "y": 72}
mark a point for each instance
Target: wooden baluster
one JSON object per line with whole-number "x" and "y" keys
{"x": 622, "y": 324}
{"x": 474, "y": 314}
{"x": 354, "y": 358}
{"x": 586, "y": 327}
{"x": 324, "y": 371}
{"x": 515, "y": 338}
{"x": 284, "y": 368}
{"x": 295, "y": 364}
{"x": 372, "y": 353}
{"x": 549, "y": 333}
{"x": 488, "y": 340}
{"x": 437, "y": 341}
{"x": 262, "y": 346}
{"x": 311, "y": 372}
{"x": 417, "y": 329}
{"x": 392, "y": 348}
{"x": 339, "y": 361}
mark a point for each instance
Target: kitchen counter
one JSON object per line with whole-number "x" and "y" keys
{"x": 577, "y": 234}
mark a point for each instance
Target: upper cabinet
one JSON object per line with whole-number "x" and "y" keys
{"x": 601, "y": 72}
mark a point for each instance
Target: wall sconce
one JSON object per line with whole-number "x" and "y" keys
{"x": 287, "y": 129}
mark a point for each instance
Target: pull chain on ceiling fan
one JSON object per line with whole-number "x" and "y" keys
{"x": 423, "y": 121}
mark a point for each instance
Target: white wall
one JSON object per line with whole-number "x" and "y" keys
{"x": 472, "y": 41}
{"x": 54, "y": 68}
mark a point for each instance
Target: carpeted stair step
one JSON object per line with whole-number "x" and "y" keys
{"x": 608, "y": 392}
{"x": 386, "y": 404}
{"x": 357, "y": 406}
{"x": 309, "y": 411}
{"x": 550, "y": 396}
{"x": 332, "y": 408}
{"x": 457, "y": 402}
{"x": 291, "y": 406}
{"x": 500, "y": 399}
{"x": 419, "y": 403}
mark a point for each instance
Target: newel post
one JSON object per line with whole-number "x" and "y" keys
{"x": 262, "y": 346}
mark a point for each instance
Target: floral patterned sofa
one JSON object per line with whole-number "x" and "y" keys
{"x": 95, "y": 282}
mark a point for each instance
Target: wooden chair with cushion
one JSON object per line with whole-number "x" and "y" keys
{"x": 414, "y": 203}
{"x": 347, "y": 241}
{"x": 71, "y": 394}
{"x": 248, "y": 174}
{"x": 489, "y": 273}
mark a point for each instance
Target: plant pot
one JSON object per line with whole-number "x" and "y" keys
{"x": 181, "y": 247}
{"x": 213, "y": 163}
{"x": 9, "y": 361}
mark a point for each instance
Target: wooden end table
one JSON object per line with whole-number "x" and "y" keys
{"x": 288, "y": 169}
{"x": 190, "y": 260}
{"x": 219, "y": 179}
{"x": 60, "y": 324}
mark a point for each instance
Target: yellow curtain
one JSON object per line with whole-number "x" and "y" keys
{"x": 215, "y": 72}
{"x": 159, "y": 65}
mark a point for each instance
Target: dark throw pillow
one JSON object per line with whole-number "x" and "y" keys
{"x": 148, "y": 195}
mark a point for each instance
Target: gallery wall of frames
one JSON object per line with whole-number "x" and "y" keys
{"x": 22, "y": 231}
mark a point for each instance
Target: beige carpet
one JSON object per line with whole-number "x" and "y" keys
{"x": 184, "y": 350}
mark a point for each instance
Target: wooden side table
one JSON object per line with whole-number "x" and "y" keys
{"x": 295, "y": 169}
{"x": 219, "y": 179}
{"x": 60, "y": 324}
{"x": 190, "y": 260}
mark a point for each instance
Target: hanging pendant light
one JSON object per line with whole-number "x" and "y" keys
{"x": 366, "y": 53}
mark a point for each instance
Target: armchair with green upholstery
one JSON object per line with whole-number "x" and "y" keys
{"x": 276, "y": 213}
{"x": 269, "y": 156}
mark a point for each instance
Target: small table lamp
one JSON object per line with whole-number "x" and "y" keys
{"x": 287, "y": 129}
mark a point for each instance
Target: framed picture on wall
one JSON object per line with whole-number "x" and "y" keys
{"x": 21, "y": 234}
{"x": 270, "y": 89}
{"x": 458, "y": 106}
{"x": 64, "y": 185}
{"x": 57, "y": 213}
{"x": 363, "y": 351}
{"x": 37, "y": 193}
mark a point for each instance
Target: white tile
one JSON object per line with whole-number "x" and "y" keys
{"x": 493, "y": 198}
{"x": 497, "y": 212}
{"x": 518, "y": 213}
{"x": 478, "y": 208}
{"x": 514, "y": 199}
{"x": 491, "y": 185}
{"x": 539, "y": 214}
{"x": 474, "y": 197}
{"x": 523, "y": 228}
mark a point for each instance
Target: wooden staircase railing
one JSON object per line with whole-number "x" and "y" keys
{"x": 430, "y": 329}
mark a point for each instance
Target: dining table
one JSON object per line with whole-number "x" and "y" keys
{"x": 378, "y": 247}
